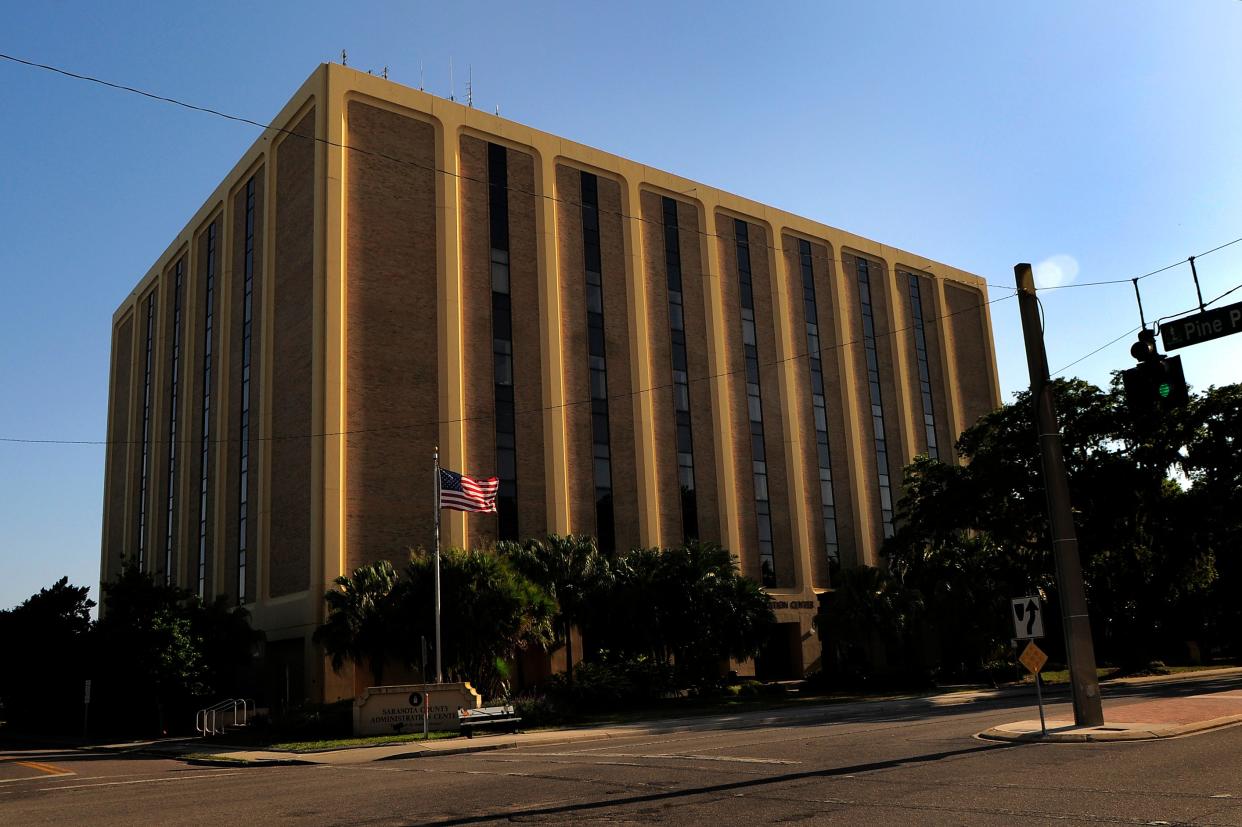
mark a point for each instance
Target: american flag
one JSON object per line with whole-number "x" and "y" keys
{"x": 462, "y": 493}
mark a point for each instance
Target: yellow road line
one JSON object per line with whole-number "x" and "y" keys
{"x": 49, "y": 769}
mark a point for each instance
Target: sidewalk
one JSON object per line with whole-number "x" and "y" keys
{"x": 410, "y": 749}
{"x": 1138, "y": 720}
{"x": 1133, "y": 720}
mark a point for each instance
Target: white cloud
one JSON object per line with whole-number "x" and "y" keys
{"x": 1056, "y": 271}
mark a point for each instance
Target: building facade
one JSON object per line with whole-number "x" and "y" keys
{"x": 636, "y": 356}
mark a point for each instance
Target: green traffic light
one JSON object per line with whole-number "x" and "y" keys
{"x": 1164, "y": 390}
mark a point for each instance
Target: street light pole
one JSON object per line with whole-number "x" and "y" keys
{"x": 1077, "y": 625}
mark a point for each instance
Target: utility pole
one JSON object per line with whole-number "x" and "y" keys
{"x": 1077, "y": 625}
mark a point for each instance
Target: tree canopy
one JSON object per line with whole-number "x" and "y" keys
{"x": 1157, "y": 506}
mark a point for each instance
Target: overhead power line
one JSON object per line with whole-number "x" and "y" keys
{"x": 381, "y": 155}
{"x": 1162, "y": 318}
{"x": 484, "y": 418}
{"x": 1134, "y": 278}
{"x": 434, "y": 169}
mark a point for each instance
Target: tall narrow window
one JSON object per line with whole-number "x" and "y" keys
{"x": 173, "y": 388}
{"x": 877, "y": 402}
{"x": 597, "y": 363}
{"x": 502, "y": 342}
{"x": 681, "y": 381}
{"x": 920, "y": 352}
{"x": 146, "y": 434}
{"x": 205, "y": 441}
{"x": 243, "y": 480}
{"x": 754, "y": 407}
{"x": 828, "y": 510}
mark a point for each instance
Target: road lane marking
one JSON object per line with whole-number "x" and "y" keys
{"x": 139, "y": 781}
{"x": 46, "y": 769}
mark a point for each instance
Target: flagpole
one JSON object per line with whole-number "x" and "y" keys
{"x": 439, "y": 672}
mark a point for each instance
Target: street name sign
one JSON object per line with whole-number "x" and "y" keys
{"x": 1028, "y": 617}
{"x": 1033, "y": 658}
{"x": 1202, "y": 327}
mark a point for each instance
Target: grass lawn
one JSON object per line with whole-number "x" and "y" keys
{"x": 367, "y": 741}
{"x": 1105, "y": 673}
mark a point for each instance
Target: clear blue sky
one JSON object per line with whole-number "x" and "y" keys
{"x": 976, "y": 133}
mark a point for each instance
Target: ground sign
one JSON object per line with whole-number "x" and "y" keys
{"x": 1202, "y": 327}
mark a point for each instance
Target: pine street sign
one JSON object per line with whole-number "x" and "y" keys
{"x": 1201, "y": 327}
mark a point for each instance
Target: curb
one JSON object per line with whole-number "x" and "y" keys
{"x": 245, "y": 764}
{"x": 1105, "y": 734}
{"x": 453, "y": 751}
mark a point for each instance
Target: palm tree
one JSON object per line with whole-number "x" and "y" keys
{"x": 571, "y": 570}
{"x": 360, "y": 626}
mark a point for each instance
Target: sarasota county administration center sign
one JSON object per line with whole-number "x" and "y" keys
{"x": 390, "y": 710}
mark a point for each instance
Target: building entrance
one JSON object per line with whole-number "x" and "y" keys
{"x": 781, "y": 657}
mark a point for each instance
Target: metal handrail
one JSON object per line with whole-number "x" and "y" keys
{"x": 207, "y": 721}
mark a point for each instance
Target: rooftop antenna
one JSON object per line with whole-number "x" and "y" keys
{"x": 344, "y": 58}
{"x": 470, "y": 86}
{"x": 385, "y": 73}
{"x": 497, "y": 110}
{"x": 420, "y": 76}
{"x": 452, "y": 91}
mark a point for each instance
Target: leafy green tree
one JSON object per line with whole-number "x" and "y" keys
{"x": 572, "y": 572}
{"x": 46, "y": 642}
{"x": 145, "y": 647}
{"x": 228, "y": 646}
{"x": 489, "y": 611}
{"x": 976, "y": 534}
{"x": 1213, "y": 463}
{"x": 689, "y": 606}
{"x": 867, "y": 623}
{"x": 363, "y": 620}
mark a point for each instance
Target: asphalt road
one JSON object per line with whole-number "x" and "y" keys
{"x": 891, "y": 764}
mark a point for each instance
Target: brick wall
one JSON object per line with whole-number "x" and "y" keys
{"x": 970, "y": 350}
{"x": 293, "y": 326}
{"x": 391, "y": 371}
{"x": 118, "y": 450}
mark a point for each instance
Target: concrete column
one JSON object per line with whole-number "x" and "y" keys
{"x": 640, "y": 367}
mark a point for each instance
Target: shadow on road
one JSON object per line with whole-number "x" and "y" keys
{"x": 749, "y": 783}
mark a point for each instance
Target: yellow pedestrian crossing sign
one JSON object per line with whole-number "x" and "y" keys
{"x": 1033, "y": 658}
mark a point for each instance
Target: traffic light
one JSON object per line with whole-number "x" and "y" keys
{"x": 1156, "y": 384}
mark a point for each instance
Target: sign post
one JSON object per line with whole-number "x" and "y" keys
{"x": 86, "y": 707}
{"x": 1028, "y": 624}
{"x": 1033, "y": 658}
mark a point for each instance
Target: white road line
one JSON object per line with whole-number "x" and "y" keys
{"x": 140, "y": 781}
{"x": 44, "y": 777}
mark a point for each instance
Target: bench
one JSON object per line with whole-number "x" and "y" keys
{"x": 499, "y": 717}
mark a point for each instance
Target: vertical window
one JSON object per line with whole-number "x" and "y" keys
{"x": 205, "y": 440}
{"x": 754, "y": 406}
{"x": 877, "y": 402}
{"x": 146, "y": 434}
{"x": 243, "y": 480}
{"x": 681, "y": 382}
{"x": 597, "y": 363}
{"x": 814, "y": 350}
{"x": 173, "y": 387}
{"x": 502, "y": 342}
{"x": 920, "y": 351}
